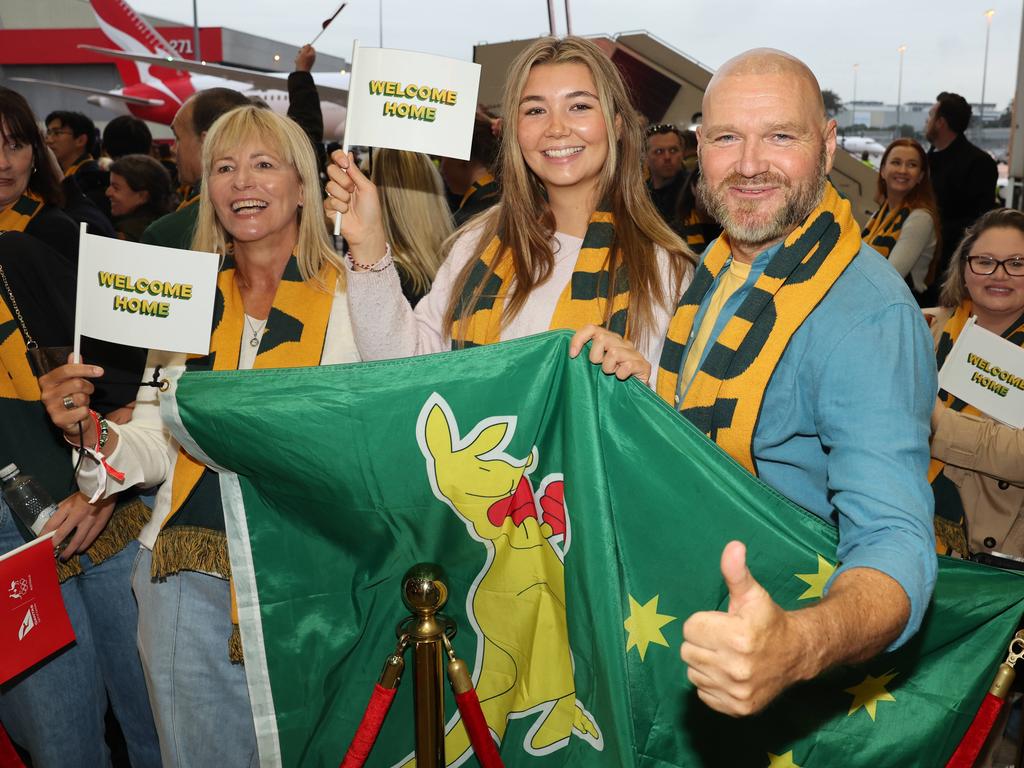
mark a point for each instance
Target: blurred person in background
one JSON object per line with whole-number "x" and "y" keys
{"x": 665, "y": 164}
{"x": 31, "y": 196}
{"x": 471, "y": 182}
{"x": 905, "y": 229}
{"x": 73, "y": 139}
{"x": 126, "y": 135}
{"x": 693, "y": 223}
{"x": 140, "y": 192}
{"x": 415, "y": 215}
{"x": 963, "y": 175}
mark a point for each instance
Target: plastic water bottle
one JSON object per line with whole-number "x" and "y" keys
{"x": 27, "y": 498}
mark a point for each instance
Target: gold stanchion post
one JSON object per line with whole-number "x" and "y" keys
{"x": 424, "y": 593}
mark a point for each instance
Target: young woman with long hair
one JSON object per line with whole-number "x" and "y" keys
{"x": 574, "y": 219}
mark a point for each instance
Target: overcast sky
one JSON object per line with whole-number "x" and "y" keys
{"x": 945, "y": 39}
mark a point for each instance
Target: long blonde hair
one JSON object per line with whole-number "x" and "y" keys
{"x": 524, "y": 218}
{"x": 417, "y": 220}
{"x": 312, "y": 249}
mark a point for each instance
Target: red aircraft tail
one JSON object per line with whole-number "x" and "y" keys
{"x": 130, "y": 33}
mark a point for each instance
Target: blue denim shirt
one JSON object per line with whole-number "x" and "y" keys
{"x": 845, "y": 422}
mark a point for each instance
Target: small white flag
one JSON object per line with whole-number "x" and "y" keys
{"x": 145, "y": 295}
{"x": 412, "y": 101}
{"x": 986, "y": 371}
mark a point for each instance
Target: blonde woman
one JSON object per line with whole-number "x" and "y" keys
{"x": 280, "y": 304}
{"x": 415, "y": 214}
{"x": 574, "y": 218}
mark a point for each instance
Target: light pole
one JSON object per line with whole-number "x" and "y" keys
{"x": 899, "y": 92}
{"x": 196, "y": 34}
{"x": 853, "y": 103}
{"x": 984, "y": 69}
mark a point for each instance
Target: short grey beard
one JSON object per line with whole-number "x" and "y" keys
{"x": 752, "y": 236}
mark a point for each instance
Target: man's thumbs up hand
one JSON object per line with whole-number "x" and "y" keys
{"x": 741, "y": 660}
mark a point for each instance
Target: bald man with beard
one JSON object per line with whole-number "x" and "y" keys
{"x": 828, "y": 400}
{"x": 800, "y": 351}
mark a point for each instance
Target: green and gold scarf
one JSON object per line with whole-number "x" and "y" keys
{"x": 950, "y": 523}
{"x": 725, "y": 398}
{"x": 693, "y": 232}
{"x": 16, "y": 217}
{"x": 192, "y": 534}
{"x": 884, "y": 228}
{"x": 485, "y": 186}
{"x": 583, "y": 301}
{"x": 73, "y": 169}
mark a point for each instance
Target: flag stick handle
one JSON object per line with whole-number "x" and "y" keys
{"x": 311, "y": 42}
{"x": 76, "y": 355}
{"x": 348, "y": 119}
{"x": 326, "y": 24}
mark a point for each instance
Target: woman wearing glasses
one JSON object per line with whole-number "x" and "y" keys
{"x": 977, "y": 469}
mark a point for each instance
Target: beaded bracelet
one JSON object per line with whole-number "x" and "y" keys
{"x": 380, "y": 266}
{"x": 104, "y": 432}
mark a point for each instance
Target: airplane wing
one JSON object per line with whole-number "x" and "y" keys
{"x": 95, "y": 92}
{"x": 264, "y": 80}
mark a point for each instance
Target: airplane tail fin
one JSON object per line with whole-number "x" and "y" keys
{"x": 130, "y": 33}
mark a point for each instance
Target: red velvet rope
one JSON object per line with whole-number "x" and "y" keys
{"x": 974, "y": 739}
{"x": 8, "y": 756}
{"x": 369, "y": 727}
{"x": 476, "y": 727}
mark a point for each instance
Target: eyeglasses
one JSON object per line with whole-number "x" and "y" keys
{"x": 58, "y": 131}
{"x": 663, "y": 128}
{"x": 986, "y": 265}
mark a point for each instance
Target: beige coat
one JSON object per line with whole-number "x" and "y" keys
{"x": 985, "y": 460}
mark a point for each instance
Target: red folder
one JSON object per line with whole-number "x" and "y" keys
{"x": 33, "y": 620}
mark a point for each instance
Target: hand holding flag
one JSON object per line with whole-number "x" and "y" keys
{"x": 349, "y": 192}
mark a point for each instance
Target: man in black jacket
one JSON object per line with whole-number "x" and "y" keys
{"x": 963, "y": 175}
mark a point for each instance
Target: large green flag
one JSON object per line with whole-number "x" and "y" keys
{"x": 580, "y": 521}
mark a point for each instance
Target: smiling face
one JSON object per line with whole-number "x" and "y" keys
{"x": 902, "y": 170}
{"x": 256, "y": 194}
{"x": 765, "y": 149}
{"x": 561, "y": 128}
{"x": 15, "y": 167}
{"x": 998, "y": 298}
{"x": 124, "y": 199}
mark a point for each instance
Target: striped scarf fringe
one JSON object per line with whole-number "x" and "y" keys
{"x": 124, "y": 527}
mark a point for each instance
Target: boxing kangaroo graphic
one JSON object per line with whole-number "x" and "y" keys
{"x": 524, "y": 663}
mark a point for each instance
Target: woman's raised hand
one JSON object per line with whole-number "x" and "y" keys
{"x": 354, "y": 196}
{"x": 65, "y": 393}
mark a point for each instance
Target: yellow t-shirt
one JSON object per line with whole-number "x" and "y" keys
{"x": 731, "y": 281}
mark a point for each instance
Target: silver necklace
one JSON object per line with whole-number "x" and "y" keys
{"x": 257, "y": 331}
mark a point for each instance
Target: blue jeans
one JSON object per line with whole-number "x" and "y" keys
{"x": 200, "y": 699}
{"x": 56, "y": 711}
